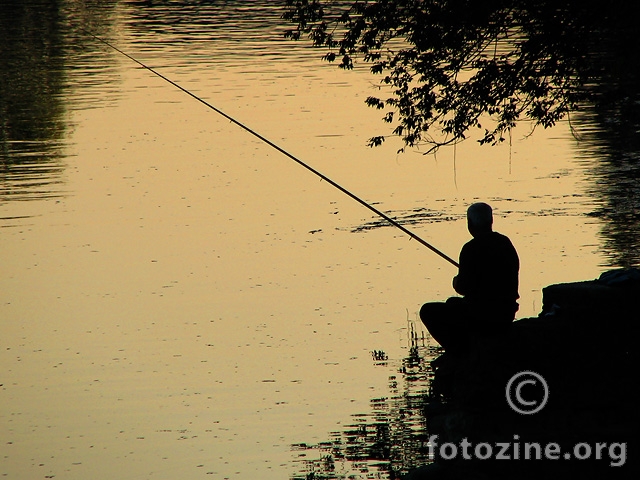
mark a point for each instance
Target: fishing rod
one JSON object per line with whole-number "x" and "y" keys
{"x": 281, "y": 150}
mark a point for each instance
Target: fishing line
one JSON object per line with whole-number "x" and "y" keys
{"x": 281, "y": 150}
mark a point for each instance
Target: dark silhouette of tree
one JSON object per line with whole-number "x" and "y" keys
{"x": 451, "y": 66}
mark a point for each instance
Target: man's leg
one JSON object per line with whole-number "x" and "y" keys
{"x": 447, "y": 322}
{"x": 434, "y": 317}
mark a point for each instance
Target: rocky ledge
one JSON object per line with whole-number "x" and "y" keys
{"x": 583, "y": 349}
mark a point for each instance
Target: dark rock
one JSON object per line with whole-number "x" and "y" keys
{"x": 583, "y": 346}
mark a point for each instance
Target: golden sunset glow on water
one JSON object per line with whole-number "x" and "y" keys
{"x": 185, "y": 300}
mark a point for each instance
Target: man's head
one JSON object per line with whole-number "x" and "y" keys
{"x": 479, "y": 219}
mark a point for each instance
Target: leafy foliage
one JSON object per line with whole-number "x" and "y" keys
{"x": 452, "y": 65}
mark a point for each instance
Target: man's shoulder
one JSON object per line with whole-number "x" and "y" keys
{"x": 505, "y": 245}
{"x": 492, "y": 241}
{"x": 493, "y": 237}
{"x": 499, "y": 237}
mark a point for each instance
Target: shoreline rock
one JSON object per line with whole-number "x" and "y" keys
{"x": 583, "y": 345}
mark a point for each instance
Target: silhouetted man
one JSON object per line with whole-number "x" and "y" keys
{"x": 487, "y": 279}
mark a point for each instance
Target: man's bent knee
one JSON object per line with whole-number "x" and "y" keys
{"x": 431, "y": 312}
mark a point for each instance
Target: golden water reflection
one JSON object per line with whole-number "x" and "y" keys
{"x": 191, "y": 302}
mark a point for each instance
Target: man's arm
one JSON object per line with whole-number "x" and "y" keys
{"x": 461, "y": 281}
{"x": 459, "y": 285}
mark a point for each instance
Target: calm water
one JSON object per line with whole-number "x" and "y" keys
{"x": 179, "y": 300}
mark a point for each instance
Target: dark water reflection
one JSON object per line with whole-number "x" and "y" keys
{"x": 49, "y": 64}
{"x": 206, "y": 25}
{"x": 609, "y": 141}
{"x": 391, "y": 439}
{"x": 616, "y": 189}
{"x": 46, "y": 69}
{"x": 32, "y": 126}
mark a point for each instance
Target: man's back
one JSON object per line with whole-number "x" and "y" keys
{"x": 488, "y": 273}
